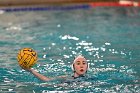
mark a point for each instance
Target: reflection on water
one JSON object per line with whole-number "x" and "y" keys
{"x": 108, "y": 39}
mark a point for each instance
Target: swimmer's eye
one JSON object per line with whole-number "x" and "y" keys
{"x": 84, "y": 63}
{"x": 78, "y": 63}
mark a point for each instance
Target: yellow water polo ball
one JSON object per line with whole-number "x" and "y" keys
{"x": 26, "y": 58}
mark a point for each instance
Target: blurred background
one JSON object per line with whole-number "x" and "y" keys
{"x": 106, "y": 32}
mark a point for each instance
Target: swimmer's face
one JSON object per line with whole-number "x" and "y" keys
{"x": 80, "y": 65}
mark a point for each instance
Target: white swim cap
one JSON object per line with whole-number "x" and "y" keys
{"x": 79, "y": 56}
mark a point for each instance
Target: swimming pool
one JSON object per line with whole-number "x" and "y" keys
{"x": 107, "y": 36}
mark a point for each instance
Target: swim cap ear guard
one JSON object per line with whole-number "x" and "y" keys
{"x": 73, "y": 69}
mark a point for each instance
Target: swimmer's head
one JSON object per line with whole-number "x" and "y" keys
{"x": 80, "y": 65}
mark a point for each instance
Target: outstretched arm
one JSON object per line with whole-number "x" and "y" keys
{"x": 42, "y": 77}
{"x": 38, "y": 75}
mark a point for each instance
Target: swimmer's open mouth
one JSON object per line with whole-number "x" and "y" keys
{"x": 81, "y": 70}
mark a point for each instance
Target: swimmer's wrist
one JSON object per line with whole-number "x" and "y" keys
{"x": 30, "y": 70}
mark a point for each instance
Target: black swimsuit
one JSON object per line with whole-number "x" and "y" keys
{"x": 78, "y": 77}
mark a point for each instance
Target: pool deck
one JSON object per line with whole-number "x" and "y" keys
{"x": 38, "y": 3}
{"x": 9, "y": 3}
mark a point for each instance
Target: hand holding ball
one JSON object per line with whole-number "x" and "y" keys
{"x": 26, "y": 57}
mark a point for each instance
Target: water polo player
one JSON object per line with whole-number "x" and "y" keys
{"x": 79, "y": 67}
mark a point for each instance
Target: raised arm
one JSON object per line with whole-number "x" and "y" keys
{"x": 38, "y": 75}
{"x": 42, "y": 77}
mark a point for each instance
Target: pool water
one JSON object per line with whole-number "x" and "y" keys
{"x": 109, "y": 37}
